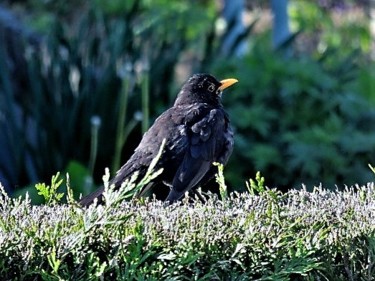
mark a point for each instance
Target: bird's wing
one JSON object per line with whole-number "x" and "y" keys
{"x": 205, "y": 140}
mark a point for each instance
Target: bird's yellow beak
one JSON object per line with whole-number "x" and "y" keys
{"x": 227, "y": 83}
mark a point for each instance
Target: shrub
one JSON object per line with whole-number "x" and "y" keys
{"x": 298, "y": 235}
{"x": 301, "y": 120}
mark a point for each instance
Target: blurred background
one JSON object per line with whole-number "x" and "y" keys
{"x": 80, "y": 83}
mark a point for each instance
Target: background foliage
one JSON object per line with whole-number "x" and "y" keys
{"x": 302, "y": 120}
{"x": 300, "y": 116}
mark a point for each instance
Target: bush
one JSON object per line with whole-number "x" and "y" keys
{"x": 301, "y": 120}
{"x": 298, "y": 235}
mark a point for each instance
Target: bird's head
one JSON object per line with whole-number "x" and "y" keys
{"x": 203, "y": 88}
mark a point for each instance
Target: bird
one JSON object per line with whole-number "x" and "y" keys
{"x": 196, "y": 131}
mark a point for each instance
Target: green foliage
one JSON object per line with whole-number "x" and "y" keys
{"x": 256, "y": 186}
{"x": 322, "y": 235}
{"x": 299, "y": 120}
{"x": 307, "y": 117}
{"x": 344, "y": 27}
{"x": 304, "y": 118}
{"x": 108, "y": 64}
{"x": 79, "y": 177}
{"x": 219, "y": 177}
{"x": 50, "y": 194}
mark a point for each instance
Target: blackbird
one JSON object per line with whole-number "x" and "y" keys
{"x": 197, "y": 133}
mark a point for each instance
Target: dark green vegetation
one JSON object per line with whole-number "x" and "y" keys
{"x": 302, "y": 120}
{"x": 307, "y": 116}
{"x": 258, "y": 235}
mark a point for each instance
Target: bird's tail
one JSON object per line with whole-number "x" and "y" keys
{"x": 89, "y": 199}
{"x": 174, "y": 196}
{"x": 124, "y": 173}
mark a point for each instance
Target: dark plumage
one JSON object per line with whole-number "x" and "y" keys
{"x": 197, "y": 133}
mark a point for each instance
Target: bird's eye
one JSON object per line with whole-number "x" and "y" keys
{"x": 211, "y": 88}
